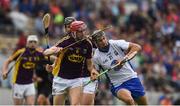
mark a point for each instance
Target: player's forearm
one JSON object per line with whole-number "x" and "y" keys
{"x": 49, "y": 51}
{"x": 52, "y": 50}
{"x": 5, "y": 66}
{"x": 133, "y": 50}
{"x": 89, "y": 65}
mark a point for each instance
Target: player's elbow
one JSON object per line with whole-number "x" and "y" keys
{"x": 135, "y": 47}
{"x": 138, "y": 47}
{"x": 46, "y": 52}
{"x": 8, "y": 61}
{"x": 49, "y": 51}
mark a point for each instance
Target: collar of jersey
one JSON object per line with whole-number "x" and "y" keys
{"x": 105, "y": 49}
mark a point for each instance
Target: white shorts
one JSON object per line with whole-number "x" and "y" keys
{"x": 60, "y": 85}
{"x": 21, "y": 91}
{"x": 91, "y": 87}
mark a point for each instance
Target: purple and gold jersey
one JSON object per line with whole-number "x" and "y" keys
{"x": 70, "y": 62}
{"x": 86, "y": 72}
{"x": 26, "y": 64}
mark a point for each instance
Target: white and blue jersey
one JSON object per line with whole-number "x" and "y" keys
{"x": 106, "y": 60}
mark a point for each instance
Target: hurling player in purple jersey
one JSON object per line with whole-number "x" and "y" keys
{"x": 26, "y": 60}
{"x": 68, "y": 67}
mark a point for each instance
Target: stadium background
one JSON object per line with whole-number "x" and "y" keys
{"x": 154, "y": 24}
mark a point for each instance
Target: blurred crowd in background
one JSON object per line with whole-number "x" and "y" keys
{"x": 154, "y": 24}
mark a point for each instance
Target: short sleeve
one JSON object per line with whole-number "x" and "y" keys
{"x": 17, "y": 54}
{"x": 121, "y": 43}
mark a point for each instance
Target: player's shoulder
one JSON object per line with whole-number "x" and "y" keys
{"x": 66, "y": 37}
{"x": 111, "y": 41}
{"x": 63, "y": 39}
{"x": 96, "y": 52}
{"x": 21, "y": 50}
{"x": 88, "y": 42}
{"x": 117, "y": 42}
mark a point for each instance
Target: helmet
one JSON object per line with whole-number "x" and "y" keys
{"x": 97, "y": 34}
{"x": 77, "y": 26}
{"x": 32, "y": 38}
{"x": 69, "y": 20}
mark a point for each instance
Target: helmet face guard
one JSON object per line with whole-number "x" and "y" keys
{"x": 100, "y": 40}
{"x": 78, "y": 29}
{"x": 32, "y": 41}
{"x": 97, "y": 35}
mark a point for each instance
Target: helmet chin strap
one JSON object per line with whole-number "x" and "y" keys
{"x": 74, "y": 35}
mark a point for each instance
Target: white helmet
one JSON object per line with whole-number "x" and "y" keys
{"x": 32, "y": 38}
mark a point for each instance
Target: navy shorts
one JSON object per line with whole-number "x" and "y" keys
{"x": 133, "y": 85}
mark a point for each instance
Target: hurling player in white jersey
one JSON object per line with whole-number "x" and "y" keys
{"x": 125, "y": 84}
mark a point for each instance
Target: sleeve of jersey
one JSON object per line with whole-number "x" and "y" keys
{"x": 121, "y": 43}
{"x": 17, "y": 54}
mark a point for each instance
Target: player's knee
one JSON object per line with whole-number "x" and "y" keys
{"x": 87, "y": 102}
{"x": 142, "y": 100}
{"x": 31, "y": 102}
{"x": 41, "y": 100}
{"x": 75, "y": 103}
{"x": 129, "y": 101}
